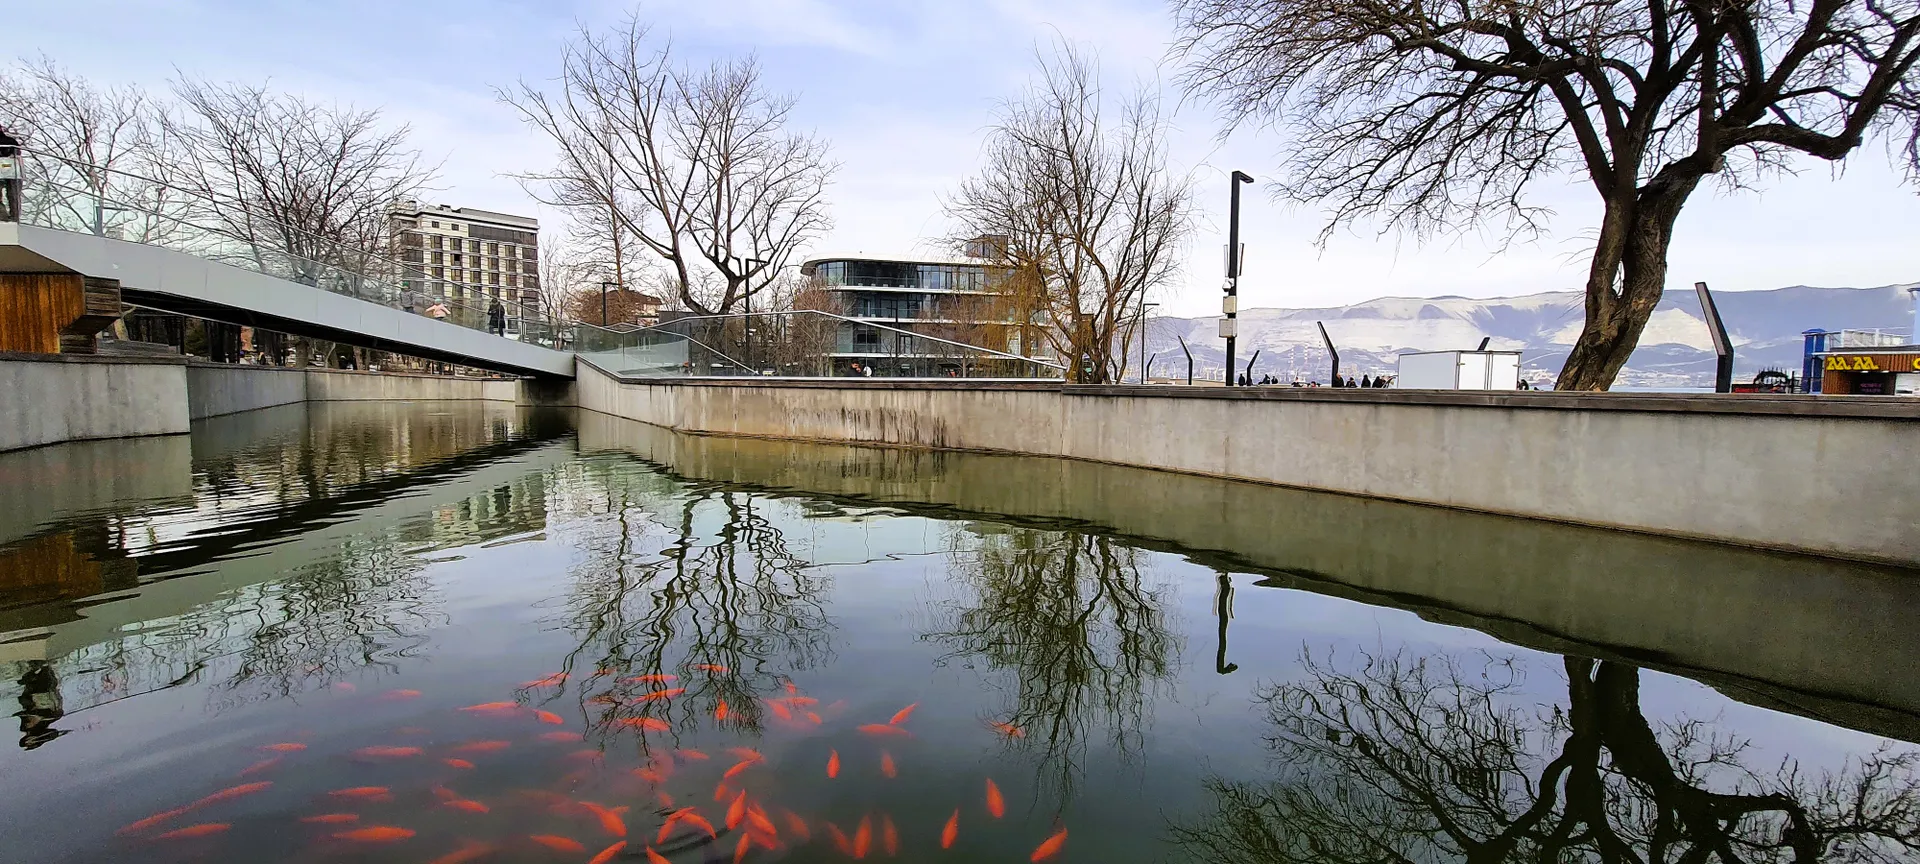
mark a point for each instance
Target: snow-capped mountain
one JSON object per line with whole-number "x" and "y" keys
{"x": 1675, "y": 350}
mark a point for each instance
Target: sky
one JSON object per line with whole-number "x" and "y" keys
{"x": 906, "y": 92}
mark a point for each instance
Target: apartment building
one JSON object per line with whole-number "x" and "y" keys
{"x": 462, "y": 253}
{"x": 910, "y": 313}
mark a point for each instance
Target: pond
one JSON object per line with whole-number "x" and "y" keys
{"x": 444, "y": 632}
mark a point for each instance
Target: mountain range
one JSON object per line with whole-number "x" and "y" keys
{"x": 1675, "y": 350}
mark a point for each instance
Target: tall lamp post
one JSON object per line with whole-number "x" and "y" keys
{"x": 1230, "y": 324}
{"x": 1144, "y": 306}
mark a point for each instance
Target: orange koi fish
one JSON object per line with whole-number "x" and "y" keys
{"x": 887, "y": 767}
{"x": 692, "y": 755}
{"x": 365, "y": 793}
{"x": 741, "y": 849}
{"x": 736, "y": 811}
{"x": 206, "y": 830}
{"x": 151, "y": 821}
{"x": 721, "y": 712}
{"x": 709, "y": 667}
{"x": 445, "y": 794}
{"x": 995, "y": 804}
{"x": 397, "y": 695}
{"x": 261, "y": 765}
{"x": 468, "y": 805}
{"x": 548, "y": 717}
{"x": 779, "y": 709}
{"x": 482, "y": 746}
{"x": 901, "y": 715}
{"x": 231, "y": 793}
{"x": 802, "y": 701}
{"x": 666, "y": 801}
{"x": 1007, "y": 729}
{"x": 1051, "y": 846}
{"x": 650, "y": 679}
{"x": 839, "y": 839}
{"x": 721, "y": 792}
{"x": 863, "y": 837}
{"x": 813, "y": 718}
{"x": 952, "y": 831}
{"x": 747, "y": 753}
{"x": 796, "y": 826}
{"x": 662, "y": 694}
{"x": 493, "y": 707}
{"x": 737, "y": 769}
{"x": 557, "y": 843}
{"x": 609, "y": 820}
{"x": 792, "y": 689}
{"x": 471, "y": 851}
{"x": 758, "y": 821}
{"x": 376, "y": 834}
{"x": 882, "y": 730}
{"x": 553, "y": 680}
{"x": 655, "y": 857}
{"x": 289, "y": 747}
{"x": 644, "y": 724}
{"x": 331, "y": 818}
{"x": 833, "y": 763}
{"x": 569, "y": 737}
{"x": 387, "y": 752}
{"x": 608, "y": 854}
{"x": 889, "y": 836}
{"x": 461, "y": 764}
{"x": 696, "y": 821}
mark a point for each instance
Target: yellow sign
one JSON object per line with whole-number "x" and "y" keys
{"x": 1867, "y": 363}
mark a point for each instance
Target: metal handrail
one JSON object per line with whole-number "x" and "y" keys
{"x": 855, "y": 321}
{"x": 365, "y": 254}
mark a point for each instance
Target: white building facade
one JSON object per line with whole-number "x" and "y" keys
{"x": 461, "y": 253}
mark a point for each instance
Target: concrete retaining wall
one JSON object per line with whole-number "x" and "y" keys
{"x": 214, "y": 389}
{"x": 1797, "y": 473}
{"x": 327, "y": 385}
{"x": 49, "y": 398}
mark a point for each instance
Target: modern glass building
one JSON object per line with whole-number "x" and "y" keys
{"x": 912, "y": 315}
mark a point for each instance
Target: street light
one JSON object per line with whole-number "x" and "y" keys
{"x": 1230, "y": 325}
{"x": 1144, "y": 306}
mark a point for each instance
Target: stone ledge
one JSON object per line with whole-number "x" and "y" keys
{"x": 107, "y": 359}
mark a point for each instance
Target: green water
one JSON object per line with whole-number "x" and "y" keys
{"x": 1167, "y": 668}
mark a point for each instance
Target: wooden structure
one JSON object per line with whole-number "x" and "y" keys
{"x": 55, "y": 313}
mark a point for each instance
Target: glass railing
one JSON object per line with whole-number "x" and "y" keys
{"x": 800, "y": 344}
{"x": 170, "y": 219}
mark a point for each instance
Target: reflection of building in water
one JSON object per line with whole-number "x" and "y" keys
{"x": 289, "y": 569}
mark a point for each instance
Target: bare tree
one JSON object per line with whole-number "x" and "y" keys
{"x": 1088, "y": 213}
{"x": 93, "y": 147}
{"x": 286, "y": 175}
{"x": 693, "y": 165}
{"x": 1438, "y": 116}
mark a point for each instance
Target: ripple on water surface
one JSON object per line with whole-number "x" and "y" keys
{"x": 451, "y": 633}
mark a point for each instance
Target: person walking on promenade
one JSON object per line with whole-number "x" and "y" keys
{"x": 10, "y": 179}
{"x": 438, "y": 311}
{"x": 496, "y": 318}
{"x": 1366, "y": 381}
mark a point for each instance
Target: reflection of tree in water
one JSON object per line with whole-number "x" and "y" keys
{"x": 1422, "y": 760}
{"x": 681, "y": 575}
{"x": 1069, "y": 615}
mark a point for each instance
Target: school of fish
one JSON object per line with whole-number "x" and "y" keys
{"x": 645, "y": 813}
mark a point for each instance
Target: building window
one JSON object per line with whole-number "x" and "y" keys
{"x": 436, "y": 224}
{"x": 473, "y": 246}
{"x": 493, "y": 279}
{"x": 439, "y": 272}
{"x": 493, "y": 248}
{"x": 439, "y": 257}
{"x": 457, "y": 260}
{"x": 437, "y": 242}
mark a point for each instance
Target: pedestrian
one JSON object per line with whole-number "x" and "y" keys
{"x": 9, "y": 177}
{"x": 1350, "y": 382}
{"x": 410, "y": 301}
{"x": 496, "y": 318}
{"x": 438, "y": 311}
{"x": 1366, "y": 381}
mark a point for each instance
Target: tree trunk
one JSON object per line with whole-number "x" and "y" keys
{"x": 1631, "y": 253}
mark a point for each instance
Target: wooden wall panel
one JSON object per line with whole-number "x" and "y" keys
{"x": 35, "y": 307}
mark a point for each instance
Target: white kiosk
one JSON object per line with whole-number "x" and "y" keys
{"x": 1459, "y": 370}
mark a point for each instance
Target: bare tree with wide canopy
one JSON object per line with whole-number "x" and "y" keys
{"x": 1436, "y": 116}
{"x": 695, "y": 165}
{"x": 1084, "y": 207}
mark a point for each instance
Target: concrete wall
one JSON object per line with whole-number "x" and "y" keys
{"x": 48, "y": 398}
{"x": 1795, "y": 473}
{"x": 214, "y": 389}
{"x": 327, "y": 385}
